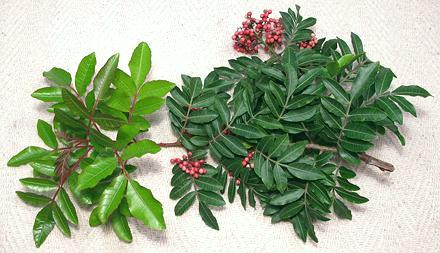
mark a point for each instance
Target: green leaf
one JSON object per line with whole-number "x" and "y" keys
{"x": 208, "y": 183}
{"x": 300, "y": 115}
{"x": 124, "y": 82}
{"x": 293, "y": 152}
{"x": 67, "y": 120}
{"x": 333, "y": 106}
{"x": 210, "y": 198}
{"x": 291, "y": 210}
{"x": 105, "y": 76}
{"x": 140, "y": 63}
{"x": 204, "y": 100}
{"x": 84, "y": 74}
{"x": 391, "y": 109}
{"x": 126, "y": 134}
{"x": 27, "y": 155}
{"x": 202, "y": 116}
{"x": 180, "y": 190}
{"x": 101, "y": 168}
{"x": 48, "y": 94}
{"x": 60, "y": 219}
{"x": 235, "y": 145}
{"x": 46, "y": 134}
{"x": 355, "y": 145}
{"x": 120, "y": 227}
{"x": 287, "y": 197}
{"x": 148, "y": 105}
{"x": 280, "y": 178}
{"x": 304, "y": 171}
{"x": 357, "y": 45}
{"x": 74, "y": 104}
{"x": 292, "y": 79}
{"x": 266, "y": 174}
{"x": 100, "y": 139}
{"x": 359, "y": 132}
{"x": 363, "y": 80}
{"x": 411, "y": 90}
{"x": 249, "y": 132}
{"x": 58, "y": 76}
{"x": 144, "y": 206}
{"x": 33, "y": 199}
{"x": 120, "y": 101}
{"x": 351, "y": 196}
{"x": 333, "y": 68}
{"x": 39, "y": 184}
{"x": 108, "y": 122}
{"x": 404, "y": 104}
{"x": 341, "y": 210}
{"x": 346, "y": 173}
{"x": 185, "y": 203}
{"x": 273, "y": 72}
{"x": 43, "y": 225}
{"x": 306, "y": 23}
{"x": 111, "y": 197}
{"x": 157, "y": 88}
{"x": 299, "y": 227}
{"x": 207, "y": 216}
{"x": 139, "y": 149}
{"x": 367, "y": 114}
{"x": 337, "y": 91}
{"x": 267, "y": 122}
{"x": 93, "y": 219}
{"x": 67, "y": 206}
{"x": 383, "y": 80}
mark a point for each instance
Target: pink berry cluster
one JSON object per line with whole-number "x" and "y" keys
{"x": 309, "y": 44}
{"x": 193, "y": 168}
{"x": 246, "y": 162}
{"x": 266, "y": 31}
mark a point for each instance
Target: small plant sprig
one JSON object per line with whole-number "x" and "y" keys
{"x": 83, "y": 158}
{"x": 289, "y": 130}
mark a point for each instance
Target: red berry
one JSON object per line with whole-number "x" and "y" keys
{"x": 237, "y": 182}
{"x": 196, "y": 175}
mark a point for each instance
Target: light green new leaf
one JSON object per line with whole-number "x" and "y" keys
{"x": 39, "y": 184}
{"x": 105, "y": 76}
{"x": 60, "y": 219}
{"x": 120, "y": 227}
{"x": 156, "y": 88}
{"x": 27, "y": 155}
{"x": 207, "y": 216}
{"x": 58, "y": 76}
{"x": 101, "y": 168}
{"x": 185, "y": 203}
{"x": 84, "y": 74}
{"x": 111, "y": 197}
{"x": 33, "y": 199}
{"x": 139, "y": 149}
{"x": 120, "y": 101}
{"x": 140, "y": 63}
{"x": 46, "y": 134}
{"x": 148, "y": 105}
{"x": 124, "y": 82}
{"x": 48, "y": 94}
{"x": 67, "y": 206}
{"x": 144, "y": 206}
{"x": 43, "y": 225}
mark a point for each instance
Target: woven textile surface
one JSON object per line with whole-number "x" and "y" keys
{"x": 192, "y": 37}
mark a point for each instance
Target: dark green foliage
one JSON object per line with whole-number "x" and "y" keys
{"x": 332, "y": 96}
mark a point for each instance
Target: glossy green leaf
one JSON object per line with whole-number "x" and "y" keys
{"x": 207, "y": 216}
{"x": 84, "y": 73}
{"x": 120, "y": 227}
{"x": 58, "y": 76}
{"x": 247, "y": 131}
{"x": 111, "y": 197}
{"x": 33, "y": 199}
{"x": 48, "y": 94}
{"x": 140, "y": 148}
{"x": 124, "y": 82}
{"x": 74, "y": 105}
{"x": 185, "y": 203}
{"x": 148, "y": 105}
{"x": 101, "y": 168}
{"x": 126, "y": 133}
{"x": 105, "y": 76}
{"x": 67, "y": 206}
{"x": 144, "y": 206}
{"x": 60, "y": 219}
{"x": 39, "y": 184}
{"x": 27, "y": 155}
{"x": 43, "y": 225}
{"x": 93, "y": 219}
{"x": 46, "y": 134}
{"x": 120, "y": 101}
{"x": 156, "y": 88}
{"x": 140, "y": 63}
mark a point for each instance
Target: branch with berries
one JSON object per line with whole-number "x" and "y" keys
{"x": 293, "y": 128}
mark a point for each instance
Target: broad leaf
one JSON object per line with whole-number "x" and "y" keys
{"x": 27, "y": 155}
{"x": 60, "y": 219}
{"x": 46, "y": 134}
{"x": 140, "y": 63}
{"x": 58, "y": 76}
{"x": 120, "y": 227}
{"x": 140, "y": 148}
{"x": 105, "y": 76}
{"x": 185, "y": 203}
{"x": 33, "y": 199}
{"x": 84, "y": 74}
{"x": 207, "y": 216}
{"x": 39, "y": 184}
{"x": 101, "y": 168}
{"x": 111, "y": 197}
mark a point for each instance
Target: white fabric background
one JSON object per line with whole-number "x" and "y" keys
{"x": 192, "y": 37}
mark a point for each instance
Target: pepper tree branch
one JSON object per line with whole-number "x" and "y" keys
{"x": 370, "y": 160}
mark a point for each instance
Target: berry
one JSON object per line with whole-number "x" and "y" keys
{"x": 237, "y": 182}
